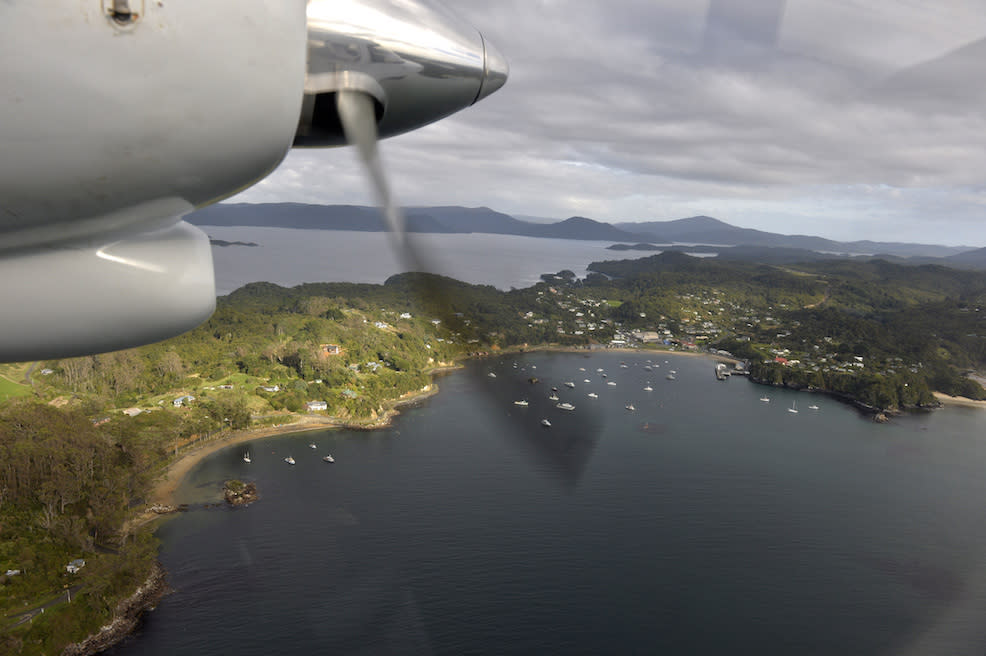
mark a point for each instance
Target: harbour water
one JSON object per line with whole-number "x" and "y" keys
{"x": 290, "y": 257}
{"x": 706, "y": 521}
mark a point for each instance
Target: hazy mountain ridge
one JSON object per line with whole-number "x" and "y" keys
{"x": 455, "y": 219}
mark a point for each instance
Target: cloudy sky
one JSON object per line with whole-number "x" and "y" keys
{"x": 848, "y": 119}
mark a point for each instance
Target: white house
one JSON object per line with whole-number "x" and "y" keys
{"x": 316, "y": 405}
{"x": 75, "y": 566}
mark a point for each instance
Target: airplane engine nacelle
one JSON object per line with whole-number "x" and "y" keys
{"x": 119, "y": 117}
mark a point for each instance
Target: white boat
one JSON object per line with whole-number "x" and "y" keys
{"x": 289, "y": 460}
{"x": 246, "y": 457}
{"x": 813, "y": 407}
{"x": 581, "y": 368}
{"x": 670, "y": 377}
{"x": 648, "y": 368}
{"x": 572, "y": 385}
{"x": 794, "y": 408}
{"x": 328, "y": 458}
{"x": 592, "y": 395}
{"x": 629, "y": 406}
{"x": 565, "y": 406}
{"x": 765, "y": 399}
{"x": 311, "y": 445}
{"x": 648, "y": 388}
{"x": 599, "y": 370}
{"x": 553, "y": 397}
{"x": 586, "y": 381}
{"x": 546, "y": 423}
{"x": 611, "y": 383}
{"x": 523, "y": 403}
{"x": 491, "y": 375}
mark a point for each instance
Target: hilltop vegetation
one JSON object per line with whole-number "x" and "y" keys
{"x": 884, "y": 334}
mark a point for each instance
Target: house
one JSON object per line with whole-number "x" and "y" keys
{"x": 74, "y": 566}
{"x": 183, "y": 400}
{"x": 314, "y": 406}
{"x": 132, "y": 412}
{"x": 330, "y": 349}
{"x": 271, "y": 388}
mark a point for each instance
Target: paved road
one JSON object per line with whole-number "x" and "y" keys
{"x": 29, "y": 615}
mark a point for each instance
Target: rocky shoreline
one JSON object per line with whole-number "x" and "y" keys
{"x": 126, "y": 615}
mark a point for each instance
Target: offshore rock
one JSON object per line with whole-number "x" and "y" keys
{"x": 238, "y": 493}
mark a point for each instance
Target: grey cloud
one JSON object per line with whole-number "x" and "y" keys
{"x": 649, "y": 107}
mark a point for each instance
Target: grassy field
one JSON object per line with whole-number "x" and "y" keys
{"x": 10, "y": 389}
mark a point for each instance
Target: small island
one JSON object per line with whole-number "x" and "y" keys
{"x": 238, "y": 493}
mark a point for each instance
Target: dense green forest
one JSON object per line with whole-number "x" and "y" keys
{"x": 82, "y": 439}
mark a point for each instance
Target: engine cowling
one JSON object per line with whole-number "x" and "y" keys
{"x": 418, "y": 62}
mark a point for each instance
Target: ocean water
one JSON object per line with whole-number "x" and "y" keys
{"x": 703, "y": 522}
{"x": 290, "y": 257}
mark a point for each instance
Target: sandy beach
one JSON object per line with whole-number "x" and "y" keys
{"x": 959, "y": 400}
{"x": 163, "y": 492}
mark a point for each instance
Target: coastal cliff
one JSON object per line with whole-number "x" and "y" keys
{"x": 126, "y": 615}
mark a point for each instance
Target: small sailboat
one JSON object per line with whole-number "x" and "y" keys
{"x": 311, "y": 445}
{"x": 289, "y": 460}
{"x": 569, "y": 384}
{"x": 491, "y": 375}
{"x": 328, "y": 458}
{"x": 670, "y": 377}
{"x": 611, "y": 383}
{"x": 552, "y": 397}
{"x": 592, "y": 395}
{"x": 765, "y": 399}
{"x": 794, "y": 408}
{"x": 586, "y": 381}
{"x": 629, "y": 406}
{"x": 813, "y": 407}
{"x": 546, "y": 423}
{"x": 522, "y": 404}
{"x": 648, "y": 388}
{"x": 246, "y": 457}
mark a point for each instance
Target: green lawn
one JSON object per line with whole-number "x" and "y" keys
{"x": 10, "y": 389}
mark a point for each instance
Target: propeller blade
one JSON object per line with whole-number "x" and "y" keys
{"x": 358, "y": 117}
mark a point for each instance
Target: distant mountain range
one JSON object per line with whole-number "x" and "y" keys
{"x": 693, "y": 230}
